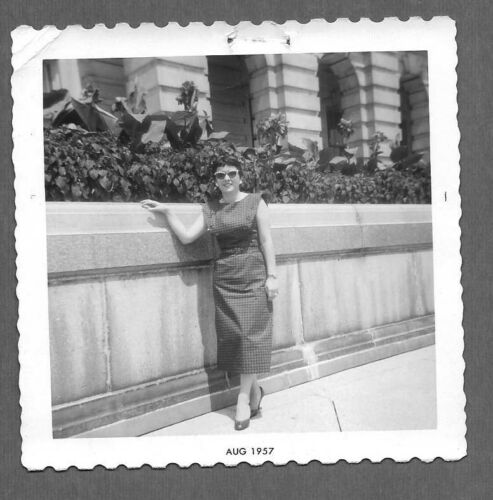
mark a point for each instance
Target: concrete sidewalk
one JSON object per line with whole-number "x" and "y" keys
{"x": 397, "y": 393}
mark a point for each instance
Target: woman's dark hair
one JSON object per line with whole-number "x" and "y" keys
{"x": 232, "y": 162}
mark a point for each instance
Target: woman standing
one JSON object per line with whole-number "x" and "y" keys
{"x": 245, "y": 281}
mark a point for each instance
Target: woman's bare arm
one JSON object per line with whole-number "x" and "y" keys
{"x": 265, "y": 238}
{"x": 185, "y": 234}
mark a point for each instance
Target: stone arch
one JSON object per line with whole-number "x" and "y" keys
{"x": 414, "y": 102}
{"x": 255, "y": 63}
{"x": 248, "y": 93}
{"x": 229, "y": 83}
{"x": 330, "y": 109}
{"x": 342, "y": 66}
{"x": 340, "y": 97}
{"x": 262, "y": 97}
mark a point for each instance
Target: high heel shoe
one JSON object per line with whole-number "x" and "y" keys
{"x": 241, "y": 425}
{"x": 255, "y": 411}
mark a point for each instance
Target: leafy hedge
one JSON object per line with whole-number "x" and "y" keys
{"x": 94, "y": 166}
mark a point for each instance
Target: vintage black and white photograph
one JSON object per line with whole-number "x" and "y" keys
{"x": 255, "y": 247}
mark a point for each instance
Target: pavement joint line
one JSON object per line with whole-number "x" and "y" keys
{"x": 337, "y": 415}
{"x": 363, "y": 414}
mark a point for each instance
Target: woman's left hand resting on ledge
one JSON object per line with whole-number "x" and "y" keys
{"x": 185, "y": 234}
{"x": 265, "y": 237}
{"x": 271, "y": 287}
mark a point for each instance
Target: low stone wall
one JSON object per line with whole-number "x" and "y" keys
{"x": 132, "y": 321}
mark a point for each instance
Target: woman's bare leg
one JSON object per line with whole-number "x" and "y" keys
{"x": 243, "y": 405}
{"x": 255, "y": 394}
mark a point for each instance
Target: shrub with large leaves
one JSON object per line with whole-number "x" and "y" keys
{"x": 129, "y": 119}
{"x": 60, "y": 108}
{"x": 94, "y": 166}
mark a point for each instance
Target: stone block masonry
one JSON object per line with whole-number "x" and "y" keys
{"x": 132, "y": 337}
{"x": 378, "y": 91}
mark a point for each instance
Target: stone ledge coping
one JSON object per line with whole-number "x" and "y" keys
{"x": 92, "y": 236}
{"x": 78, "y": 218}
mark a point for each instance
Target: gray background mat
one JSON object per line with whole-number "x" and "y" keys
{"x": 468, "y": 479}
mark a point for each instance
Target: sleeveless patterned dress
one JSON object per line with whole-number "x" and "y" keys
{"x": 242, "y": 311}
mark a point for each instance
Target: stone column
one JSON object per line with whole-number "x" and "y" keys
{"x": 106, "y": 75}
{"x": 263, "y": 95}
{"x": 286, "y": 84}
{"x": 381, "y": 103}
{"x": 298, "y": 98}
{"x": 369, "y": 84}
{"x": 162, "y": 78}
{"x": 263, "y": 82}
{"x": 68, "y": 76}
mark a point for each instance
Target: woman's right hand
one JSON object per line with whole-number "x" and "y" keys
{"x": 153, "y": 206}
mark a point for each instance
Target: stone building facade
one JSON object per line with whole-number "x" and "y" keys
{"x": 132, "y": 338}
{"x": 377, "y": 91}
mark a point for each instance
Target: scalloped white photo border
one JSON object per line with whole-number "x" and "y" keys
{"x": 30, "y": 47}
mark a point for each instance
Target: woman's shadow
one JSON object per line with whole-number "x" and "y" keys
{"x": 208, "y": 381}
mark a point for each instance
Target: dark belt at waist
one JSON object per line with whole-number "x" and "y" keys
{"x": 225, "y": 252}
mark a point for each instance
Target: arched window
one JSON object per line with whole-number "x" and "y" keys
{"x": 414, "y": 113}
{"x": 340, "y": 97}
{"x": 330, "y": 109}
{"x": 230, "y": 98}
{"x": 406, "y": 120}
